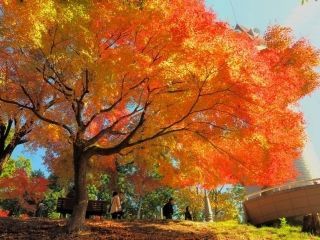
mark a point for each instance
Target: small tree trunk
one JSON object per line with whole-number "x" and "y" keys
{"x": 81, "y": 196}
{"x": 139, "y": 209}
{"x": 3, "y": 160}
{"x": 215, "y": 213}
{"x": 4, "y": 156}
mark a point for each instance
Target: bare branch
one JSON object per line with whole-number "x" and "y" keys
{"x": 109, "y": 129}
{"x": 113, "y": 105}
{"x": 41, "y": 117}
{"x": 8, "y": 128}
{"x": 28, "y": 96}
{"x": 78, "y": 104}
{"x": 54, "y": 39}
{"x": 221, "y": 150}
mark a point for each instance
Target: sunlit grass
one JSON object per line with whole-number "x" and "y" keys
{"x": 233, "y": 230}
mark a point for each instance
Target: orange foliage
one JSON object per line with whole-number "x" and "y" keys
{"x": 161, "y": 83}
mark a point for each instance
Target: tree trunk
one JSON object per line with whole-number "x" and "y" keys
{"x": 139, "y": 208}
{"x": 311, "y": 224}
{"x": 3, "y": 160}
{"x": 215, "y": 213}
{"x": 81, "y": 196}
{"x": 207, "y": 207}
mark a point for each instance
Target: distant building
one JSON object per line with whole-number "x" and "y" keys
{"x": 303, "y": 169}
{"x": 253, "y": 34}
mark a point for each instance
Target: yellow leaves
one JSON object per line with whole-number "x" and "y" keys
{"x": 89, "y": 57}
{"x": 156, "y": 4}
{"x": 174, "y": 67}
{"x": 36, "y": 18}
{"x": 191, "y": 43}
{"x": 74, "y": 10}
{"x": 54, "y": 132}
{"x": 2, "y": 76}
{"x": 169, "y": 62}
{"x": 259, "y": 80}
{"x": 45, "y": 12}
{"x": 262, "y": 140}
{"x": 36, "y": 34}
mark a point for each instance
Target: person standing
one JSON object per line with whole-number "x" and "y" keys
{"x": 115, "y": 208}
{"x": 41, "y": 210}
{"x": 168, "y": 209}
{"x": 187, "y": 214}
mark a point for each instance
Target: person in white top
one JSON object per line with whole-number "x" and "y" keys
{"x": 115, "y": 209}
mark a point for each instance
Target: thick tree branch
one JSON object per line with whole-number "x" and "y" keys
{"x": 114, "y": 105}
{"x": 125, "y": 143}
{"x": 40, "y": 116}
{"x": 221, "y": 150}
{"x": 109, "y": 129}
{"x": 8, "y": 128}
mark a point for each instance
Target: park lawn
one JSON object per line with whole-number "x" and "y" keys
{"x": 232, "y": 230}
{"x": 33, "y": 228}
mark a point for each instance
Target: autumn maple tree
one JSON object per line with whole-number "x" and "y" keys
{"x": 163, "y": 80}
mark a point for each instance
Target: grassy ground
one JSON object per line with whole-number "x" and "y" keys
{"x": 232, "y": 230}
{"x": 155, "y": 230}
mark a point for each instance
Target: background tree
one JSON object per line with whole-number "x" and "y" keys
{"x": 13, "y": 164}
{"x": 191, "y": 197}
{"x": 153, "y": 202}
{"x": 15, "y": 125}
{"x": 21, "y": 189}
{"x": 143, "y": 181}
{"x": 55, "y": 190}
{"x": 226, "y": 202}
{"x": 117, "y": 79}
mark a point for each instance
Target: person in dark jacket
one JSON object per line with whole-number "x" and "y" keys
{"x": 168, "y": 209}
{"x": 187, "y": 214}
{"x": 72, "y": 192}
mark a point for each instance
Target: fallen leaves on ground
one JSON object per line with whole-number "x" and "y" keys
{"x": 96, "y": 229}
{"x": 35, "y": 228}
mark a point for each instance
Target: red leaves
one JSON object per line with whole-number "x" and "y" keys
{"x": 27, "y": 190}
{"x": 143, "y": 182}
{"x": 4, "y": 213}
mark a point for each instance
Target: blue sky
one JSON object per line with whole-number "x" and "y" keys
{"x": 303, "y": 19}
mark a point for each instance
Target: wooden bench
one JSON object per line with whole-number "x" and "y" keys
{"x": 95, "y": 207}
